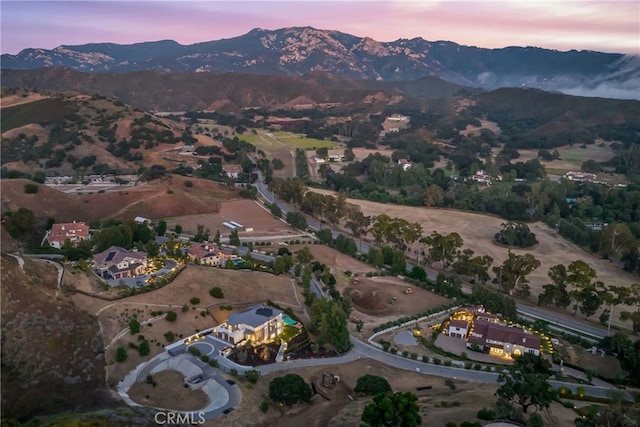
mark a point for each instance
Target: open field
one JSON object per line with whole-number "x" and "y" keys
{"x": 477, "y": 231}
{"x": 571, "y": 159}
{"x": 243, "y": 211}
{"x": 156, "y": 199}
{"x": 341, "y": 411}
{"x": 18, "y": 99}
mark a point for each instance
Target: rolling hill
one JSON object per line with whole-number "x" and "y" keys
{"x": 300, "y": 50}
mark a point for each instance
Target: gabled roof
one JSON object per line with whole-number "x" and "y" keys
{"x": 254, "y": 316}
{"x": 204, "y": 250}
{"x": 459, "y": 324}
{"x": 68, "y": 230}
{"x": 116, "y": 254}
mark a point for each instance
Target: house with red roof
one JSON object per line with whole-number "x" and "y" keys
{"x": 74, "y": 231}
{"x": 206, "y": 254}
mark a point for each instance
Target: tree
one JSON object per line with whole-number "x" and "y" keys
{"x": 297, "y": 220}
{"x": 234, "y": 239}
{"x": 20, "y": 222}
{"x": 202, "y": 234}
{"x": 512, "y": 274}
{"x": 393, "y": 410}
{"x": 372, "y": 384}
{"x": 216, "y": 292}
{"x": 178, "y": 229}
{"x": 161, "y": 228}
{"x": 333, "y": 327}
{"x": 290, "y": 389}
{"x": 216, "y": 238}
{"x": 121, "y": 354}
{"x": 433, "y": 195}
{"x": 134, "y": 326}
{"x": 525, "y": 382}
{"x": 442, "y": 248}
{"x": 172, "y": 316}
{"x": 143, "y": 348}
{"x": 515, "y": 234}
{"x": 359, "y": 224}
{"x": 304, "y": 256}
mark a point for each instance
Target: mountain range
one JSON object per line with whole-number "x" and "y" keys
{"x": 300, "y": 50}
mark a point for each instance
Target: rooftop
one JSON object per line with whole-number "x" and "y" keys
{"x": 254, "y": 316}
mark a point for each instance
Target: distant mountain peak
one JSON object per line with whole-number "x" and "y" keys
{"x": 299, "y": 50}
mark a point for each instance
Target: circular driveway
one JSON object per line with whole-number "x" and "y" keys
{"x": 202, "y": 345}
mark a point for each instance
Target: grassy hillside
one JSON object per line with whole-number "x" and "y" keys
{"x": 76, "y": 134}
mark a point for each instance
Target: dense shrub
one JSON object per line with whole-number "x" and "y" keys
{"x": 31, "y": 188}
{"x": 372, "y": 385}
{"x": 172, "y": 316}
{"x": 216, "y": 292}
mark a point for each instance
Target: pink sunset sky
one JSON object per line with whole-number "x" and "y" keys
{"x": 608, "y": 26}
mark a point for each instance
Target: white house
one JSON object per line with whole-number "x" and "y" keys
{"x": 458, "y": 329}
{"x": 257, "y": 324}
{"x": 232, "y": 171}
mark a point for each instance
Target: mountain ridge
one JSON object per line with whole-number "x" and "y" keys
{"x": 299, "y": 50}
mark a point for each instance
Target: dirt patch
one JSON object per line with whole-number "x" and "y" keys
{"x": 391, "y": 296}
{"x": 337, "y": 409}
{"x": 169, "y": 392}
{"x": 11, "y": 100}
{"x": 607, "y": 366}
{"x": 246, "y": 212}
{"x": 156, "y": 199}
{"x": 334, "y": 259}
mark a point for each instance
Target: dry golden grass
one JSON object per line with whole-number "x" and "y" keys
{"x": 169, "y": 392}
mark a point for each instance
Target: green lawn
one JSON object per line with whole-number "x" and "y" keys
{"x": 289, "y": 332}
{"x": 267, "y": 141}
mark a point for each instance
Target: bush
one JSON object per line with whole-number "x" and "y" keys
{"x": 188, "y": 184}
{"x": 252, "y": 376}
{"x": 451, "y": 424}
{"x": 216, "y": 292}
{"x": 170, "y": 336}
{"x": 194, "y": 301}
{"x": 486, "y": 414}
{"x": 134, "y": 326}
{"x": 450, "y": 384}
{"x": 121, "y": 354}
{"x": 185, "y": 308}
{"x": 143, "y": 348}
{"x": 171, "y": 316}
{"x": 31, "y": 188}
{"x": 204, "y": 358}
{"x": 372, "y": 385}
{"x": 264, "y": 407}
{"x": 213, "y": 362}
{"x": 436, "y": 361}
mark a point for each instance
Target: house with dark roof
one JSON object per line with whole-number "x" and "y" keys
{"x": 502, "y": 340}
{"x": 257, "y": 324}
{"x": 119, "y": 263}
{"x": 458, "y": 328}
{"x": 72, "y": 231}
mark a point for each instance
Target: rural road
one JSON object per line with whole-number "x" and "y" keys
{"x": 554, "y": 319}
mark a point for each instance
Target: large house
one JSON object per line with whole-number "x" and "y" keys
{"x": 232, "y": 171}
{"x": 503, "y": 340}
{"x": 207, "y": 254}
{"x": 73, "y": 231}
{"x": 119, "y": 263}
{"x": 257, "y": 324}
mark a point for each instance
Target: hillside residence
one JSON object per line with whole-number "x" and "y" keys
{"x": 257, "y": 324}
{"x": 118, "y": 263}
{"x": 232, "y": 171}
{"x": 503, "y": 340}
{"x": 481, "y": 176}
{"x": 74, "y": 231}
{"x": 490, "y": 334}
{"x": 207, "y": 254}
{"x": 406, "y": 164}
{"x": 580, "y": 176}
